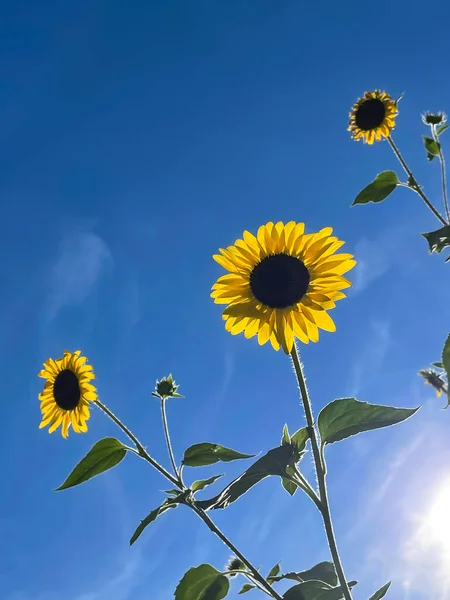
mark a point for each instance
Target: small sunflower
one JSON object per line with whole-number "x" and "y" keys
{"x": 67, "y": 393}
{"x": 281, "y": 283}
{"x": 373, "y": 117}
{"x": 434, "y": 379}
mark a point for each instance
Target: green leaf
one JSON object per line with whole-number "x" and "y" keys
{"x": 274, "y": 571}
{"x": 275, "y": 462}
{"x": 202, "y": 583}
{"x": 313, "y": 590}
{"x": 298, "y": 439}
{"x": 345, "y": 417}
{"x": 440, "y": 130}
{"x": 323, "y": 571}
{"x": 206, "y": 453}
{"x": 439, "y": 365}
{"x": 446, "y": 363}
{"x": 103, "y": 455}
{"x": 150, "y": 518}
{"x": 202, "y": 483}
{"x": 381, "y": 592}
{"x": 246, "y": 588}
{"x": 439, "y": 239}
{"x": 432, "y": 147}
{"x": 383, "y": 185}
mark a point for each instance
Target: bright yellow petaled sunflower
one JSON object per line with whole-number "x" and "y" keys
{"x": 67, "y": 393}
{"x": 373, "y": 117}
{"x": 281, "y": 283}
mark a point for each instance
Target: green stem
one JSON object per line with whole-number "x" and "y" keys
{"x": 304, "y": 484}
{"x": 443, "y": 173}
{"x": 168, "y": 442}
{"x": 142, "y": 452}
{"x": 320, "y": 472}
{"x": 140, "y": 448}
{"x": 253, "y": 570}
{"x": 413, "y": 183}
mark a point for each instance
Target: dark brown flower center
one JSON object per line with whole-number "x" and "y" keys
{"x": 279, "y": 280}
{"x": 66, "y": 390}
{"x": 370, "y": 114}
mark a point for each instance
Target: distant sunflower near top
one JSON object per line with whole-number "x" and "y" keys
{"x": 373, "y": 117}
{"x": 281, "y": 283}
{"x": 67, "y": 393}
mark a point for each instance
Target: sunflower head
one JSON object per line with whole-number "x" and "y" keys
{"x": 434, "y": 379}
{"x": 373, "y": 117}
{"x": 67, "y": 393}
{"x": 439, "y": 118}
{"x": 166, "y": 388}
{"x": 235, "y": 564}
{"x": 281, "y": 283}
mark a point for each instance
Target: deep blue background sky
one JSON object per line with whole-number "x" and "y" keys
{"x": 138, "y": 137}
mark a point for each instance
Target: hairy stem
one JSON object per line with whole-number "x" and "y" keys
{"x": 443, "y": 173}
{"x": 320, "y": 472}
{"x": 168, "y": 442}
{"x": 140, "y": 448}
{"x": 412, "y": 183}
{"x": 253, "y": 570}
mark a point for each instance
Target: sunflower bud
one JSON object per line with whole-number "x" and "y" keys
{"x": 434, "y": 118}
{"x": 434, "y": 379}
{"x": 235, "y": 564}
{"x": 166, "y": 388}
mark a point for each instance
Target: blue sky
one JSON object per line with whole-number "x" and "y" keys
{"x": 137, "y": 138}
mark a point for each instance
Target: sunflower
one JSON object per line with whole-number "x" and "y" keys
{"x": 67, "y": 393}
{"x": 373, "y": 117}
{"x": 435, "y": 380}
{"x": 281, "y": 283}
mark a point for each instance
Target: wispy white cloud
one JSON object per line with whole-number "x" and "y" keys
{"x": 375, "y": 257}
{"x": 371, "y": 357}
{"x": 82, "y": 259}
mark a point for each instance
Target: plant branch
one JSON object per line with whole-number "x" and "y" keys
{"x": 140, "y": 448}
{"x": 252, "y": 570}
{"x": 413, "y": 183}
{"x": 443, "y": 173}
{"x": 168, "y": 442}
{"x": 320, "y": 472}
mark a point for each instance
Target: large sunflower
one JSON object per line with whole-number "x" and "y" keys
{"x": 281, "y": 283}
{"x": 373, "y": 117}
{"x": 67, "y": 393}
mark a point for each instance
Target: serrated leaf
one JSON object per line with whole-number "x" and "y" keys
{"x": 313, "y": 590}
{"x": 104, "y": 455}
{"x": 202, "y": 483}
{"x": 432, "y": 147}
{"x": 439, "y": 239}
{"x": 274, "y": 571}
{"x": 345, "y": 417}
{"x": 202, "y": 583}
{"x": 446, "y": 363}
{"x": 274, "y": 462}
{"x": 205, "y": 453}
{"x": 440, "y": 130}
{"x": 381, "y": 592}
{"x": 380, "y": 188}
{"x": 154, "y": 514}
{"x": 246, "y": 588}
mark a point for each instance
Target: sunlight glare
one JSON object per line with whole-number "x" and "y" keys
{"x": 436, "y": 530}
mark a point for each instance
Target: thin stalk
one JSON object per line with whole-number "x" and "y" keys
{"x": 413, "y": 183}
{"x": 142, "y": 452}
{"x": 253, "y": 570}
{"x": 320, "y": 472}
{"x": 443, "y": 173}
{"x": 140, "y": 448}
{"x": 168, "y": 442}
{"x": 304, "y": 484}
{"x": 249, "y": 577}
